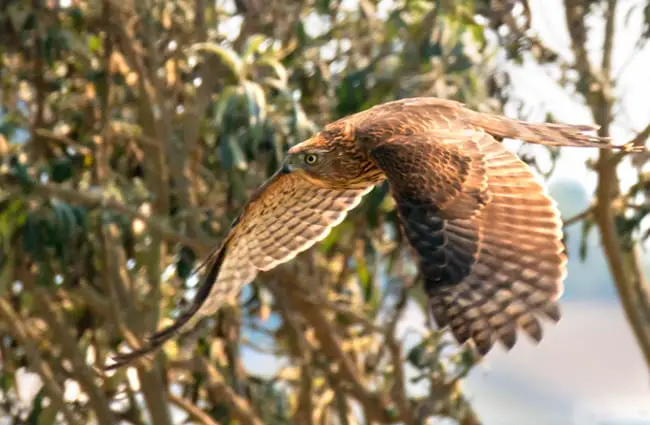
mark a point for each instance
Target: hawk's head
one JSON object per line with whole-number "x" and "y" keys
{"x": 331, "y": 159}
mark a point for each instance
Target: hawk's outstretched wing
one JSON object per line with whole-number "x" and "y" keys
{"x": 487, "y": 237}
{"x": 286, "y": 216}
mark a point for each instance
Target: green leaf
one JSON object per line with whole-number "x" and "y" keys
{"x": 279, "y": 70}
{"x": 12, "y": 217}
{"x": 18, "y": 15}
{"x": 417, "y": 355}
{"x": 431, "y": 49}
{"x": 227, "y": 56}
{"x": 459, "y": 60}
{"x": 372, "y": 205}
{"x": 227, "y": 101}
{"x": 253, "y": 45}
{"x": 330, "y": 240}
{"x": 394, "y": 24}
{"x": 478, "y": 34}
{"x": 8, "y": 128}
{"x": 185, "y": 262}
{"x": 256, "y": 101}
{"x": 352, "y": 93}
{"x": 65, "y": 219}
{"x": 80, "y": 215}
{"x": 41, "y": 415}
{"x": 323, "y": 6}
{"x": 20, "y": 171}
{"x": 587, "y": 225}
{"x": 6, "y": 272}
{"x": 7, "y": 380}
{"x": 61, "y": 169}
{"x": 365, "y": 279}
{"x": 94, "y": 43}
{"x": 37, "y": 408}
{"x": 32, "y": 240}
{"x": 301, "y": 34}
{"x": 77, "y": 17}
{"x": 232, "y": 155}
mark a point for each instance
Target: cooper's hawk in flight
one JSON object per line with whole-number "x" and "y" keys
{"x": 485, "y": 233}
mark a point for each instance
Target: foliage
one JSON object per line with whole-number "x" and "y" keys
{"x": 132, "y": 134}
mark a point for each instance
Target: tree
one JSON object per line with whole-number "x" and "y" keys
{"x": 616, "y": 212}
{"x": 133, "y": 132}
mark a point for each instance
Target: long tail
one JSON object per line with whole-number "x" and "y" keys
{"x": 549, "y": 134}
{"x": 154, "y": 342}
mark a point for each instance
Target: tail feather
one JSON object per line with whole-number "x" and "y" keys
{"x": 213, "y": 264}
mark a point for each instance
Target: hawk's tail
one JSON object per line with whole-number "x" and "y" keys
{"x": 550, "y": 134}
{"x": 155, "y": 341}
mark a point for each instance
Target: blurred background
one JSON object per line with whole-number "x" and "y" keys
{"x": 132, "y": 132}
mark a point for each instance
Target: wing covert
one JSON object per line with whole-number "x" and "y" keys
{"x": 439, "y": 183}
{"x": 487, "y": 236}
{"x": 519, "y": 272}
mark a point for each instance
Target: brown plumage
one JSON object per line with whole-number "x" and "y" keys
{"x": 486, "y": 235}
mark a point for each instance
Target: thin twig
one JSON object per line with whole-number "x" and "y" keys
{"x": 20, "y": 331}
{"x": 302, "y": 352}
{"x": 220, "y": 391}
{"x": 99, "y": 200}
{"x": 330, "y": 344}
{"x": 57, "y": 323}
{"x": 399, "y": 380}
{"x": 637, "y": 141}
{"x": 579, "y": 217}
{"x": 194, "y": 412}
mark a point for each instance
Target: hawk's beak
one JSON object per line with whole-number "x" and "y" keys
{"x": 287, "y": 167}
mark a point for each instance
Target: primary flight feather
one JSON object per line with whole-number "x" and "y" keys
{"x": 486, "y": 235}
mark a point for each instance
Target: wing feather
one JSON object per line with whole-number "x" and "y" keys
{"x": 287, "y": 216}
{"x": 496, "y": 235}
{"x": 439, "y": 182}
{"x": 521, "y": 267}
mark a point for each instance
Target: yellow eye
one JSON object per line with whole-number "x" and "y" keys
{"x": 311, "y": 159}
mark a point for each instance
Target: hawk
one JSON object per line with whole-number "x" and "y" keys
{"x": 487, "y": 237}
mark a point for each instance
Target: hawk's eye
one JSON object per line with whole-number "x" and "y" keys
{"x": 311, "y": 159}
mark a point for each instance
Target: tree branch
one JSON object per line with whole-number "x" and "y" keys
{"x": 331, "y": 347}
{"x": 622, "y": 261}
{"x": 579, "y": 217}
{"x": 21, "y": 333}
{"x": 395, "y": 350}
{"x": 57, "y": 323}
{"x": 193, "y": 411}
{"x": 98, "y": 200}
{"x": 219, "y": 390}
{"x": 302, "y": 353}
